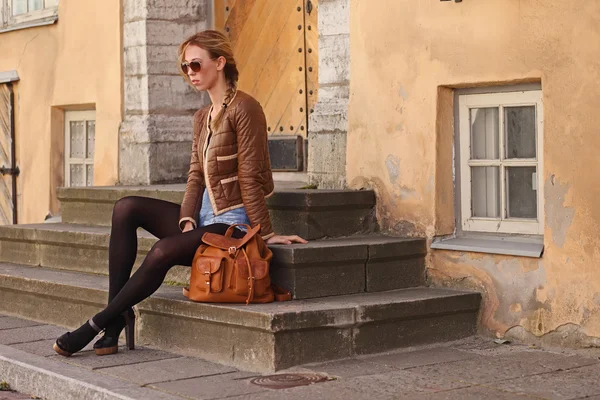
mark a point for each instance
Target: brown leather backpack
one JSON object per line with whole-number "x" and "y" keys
{"x": 229, "y": 270}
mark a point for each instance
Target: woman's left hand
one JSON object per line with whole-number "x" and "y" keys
{"x": 280, "y": 239}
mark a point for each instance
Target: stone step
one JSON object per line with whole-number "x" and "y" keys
{"x": 262, "y": 338}
{"x": 310, "y": 213}
{"x": 320, "y": 268}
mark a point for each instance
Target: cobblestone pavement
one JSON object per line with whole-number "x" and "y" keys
{"x": 473, "y": 368}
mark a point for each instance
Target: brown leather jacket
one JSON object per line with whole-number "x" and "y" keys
{"x": 236, "y": 170}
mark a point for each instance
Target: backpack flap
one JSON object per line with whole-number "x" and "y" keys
{"x": 211, "y": 271}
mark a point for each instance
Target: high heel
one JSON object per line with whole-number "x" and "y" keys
{"x": 109, "y": 343}
{"x": 130, "y": 331}
{"x": 72, "y": 342}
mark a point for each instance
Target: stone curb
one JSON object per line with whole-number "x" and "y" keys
{"x": 53, "y": 380}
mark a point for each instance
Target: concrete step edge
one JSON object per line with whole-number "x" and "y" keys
{"x": 54, "y": 380}
{"x": 274, "y": 317}
{"x": 53, "y": 233}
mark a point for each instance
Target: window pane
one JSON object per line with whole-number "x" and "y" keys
{"x": 484, "y": 134}
{"x": 77, "y": 139}
{"x": 19, "y": 7}
{"x": 77, "y": 175}
{"x": 91, "y": 134}
{"x": 51, "y": 3}
{"x": 521, "y": 188}
{"x": 485, "y": 192}
{"x": 36, "y": 5}
{"x": 519, "y": 126}
{"x": 89, "y": 173}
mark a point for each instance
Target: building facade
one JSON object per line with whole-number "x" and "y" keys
{"x": 473, "y": 121}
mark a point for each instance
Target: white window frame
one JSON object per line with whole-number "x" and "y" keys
{"x": 76, "y": 116}
{"x": 502, "y": 224}
{"x": 44, "y": 16}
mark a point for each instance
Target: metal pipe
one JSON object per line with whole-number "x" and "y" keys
{"x": 13, "y": 149}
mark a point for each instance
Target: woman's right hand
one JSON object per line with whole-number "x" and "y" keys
{"x": 188, "y": 227}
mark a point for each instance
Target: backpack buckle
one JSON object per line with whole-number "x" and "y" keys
{"x": 232, "y": 251}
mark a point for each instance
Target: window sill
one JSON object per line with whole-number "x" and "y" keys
{"x": 530, "y": 246}
{"x": 9, "y": 76}
{"x": 30, "y": 24}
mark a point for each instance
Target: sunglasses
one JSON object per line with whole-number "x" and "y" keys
{"x": 195, "y": 66}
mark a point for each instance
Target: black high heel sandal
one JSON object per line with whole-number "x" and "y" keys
{"x": 72, "y": 342}
{"x": 109, "y": 343}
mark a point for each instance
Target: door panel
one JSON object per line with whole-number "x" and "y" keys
{"x": 6, "y": 156}
{"x": 270, "y": 40}
{"x": 312, "y": 52}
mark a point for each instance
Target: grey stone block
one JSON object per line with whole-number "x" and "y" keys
{"x": 72, "y": 247}
{"x": 212, "y": 387}
{"x": 395, "y": 264}
{"x": 12, "y": 322}
{"x": 395, "y": 274}
{"x": 265, "y": 337}
{"x": 52, "y": 380}
{"x": 474, "y": 392}
{"x": 388, "y": 335}
{"x": 411, "y": 359}
{"x": 89, "y": 359}
{"x": 327, "y": 155}
{"x": 319, "y": 269}
{"x": 571, "y": 384}
{"x": 172, "y": 32}
{"x": 163, "y": 10}
{"x": 312, "y": 214}
{"x": 349, "y": 368}
{"x": 321, "y": 344}
{"x": 29, "y": 334}
{"x": 334, "y": 54}
{"x": 95, "y": 205}
{"x": 173, "y": 369}
{"x": 41, "y": 347}
{"x": 334, "y": 17}
{"x": 484, "y": 370}
{"x": 169, "y": 162}
{"x": 44, "y": 347}
{"x": 171, "y": 93}
{"x": 226, "y": 344}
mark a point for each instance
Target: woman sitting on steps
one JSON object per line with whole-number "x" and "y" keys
{"x": 228, "y": 181}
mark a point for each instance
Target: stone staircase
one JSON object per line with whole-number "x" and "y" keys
{"x": 355, "y": 291}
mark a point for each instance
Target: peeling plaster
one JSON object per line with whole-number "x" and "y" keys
{"x": 566, "y": 335}
{"x": 558, "y": 217}
{"x": 510, "y": 288}
{"x": 393, "y": 166}
{"x": 404, "y": 228}
{"x": 403, "y": 93}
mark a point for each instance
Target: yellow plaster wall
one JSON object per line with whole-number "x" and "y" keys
{"x": 406, "y": 56}
{"x": 75, "y": 62}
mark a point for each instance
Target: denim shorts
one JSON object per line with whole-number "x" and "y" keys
{"x": 231, "y": 217}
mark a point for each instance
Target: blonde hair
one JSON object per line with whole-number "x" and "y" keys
{"x": 217, "y": 45}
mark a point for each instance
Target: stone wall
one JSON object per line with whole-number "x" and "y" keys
{"x": 328, "y": 125}
{"x": 156, "y": 134}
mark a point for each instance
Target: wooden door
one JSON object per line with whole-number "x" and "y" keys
{"x": 275, "y": 43}
{"x": 7, "y": 175}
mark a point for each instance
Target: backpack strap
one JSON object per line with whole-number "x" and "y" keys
{"x": 281, "y": 294}
{"x": 229, "y": 243}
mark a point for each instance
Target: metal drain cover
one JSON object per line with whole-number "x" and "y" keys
{"x": 285, "y": 381}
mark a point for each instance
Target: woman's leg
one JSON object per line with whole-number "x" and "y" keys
{"x": 173, "y": 250}
{"x": 158, "y": 217}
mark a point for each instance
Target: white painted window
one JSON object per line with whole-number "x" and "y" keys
{"x": 15, "y": 13}
{"x": 80, "y": 132}
{"x": 500, "y": 154}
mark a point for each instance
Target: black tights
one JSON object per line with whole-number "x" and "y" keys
{"x": 160, "y": 218}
